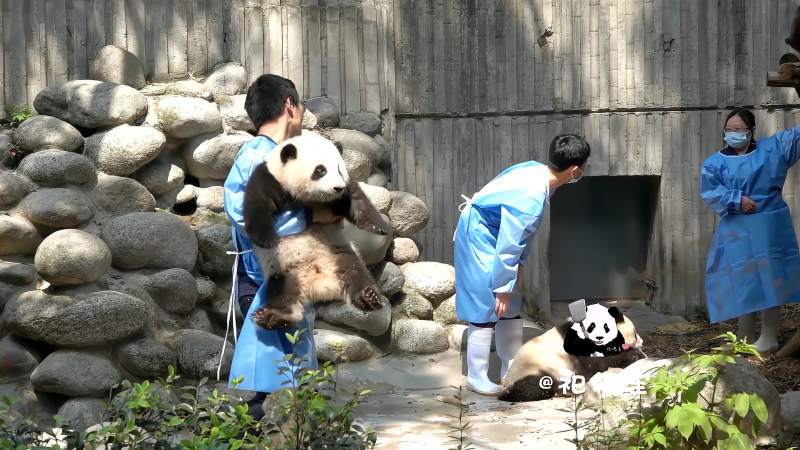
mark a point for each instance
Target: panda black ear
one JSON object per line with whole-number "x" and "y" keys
{"x": 339, "y": 147}
{"x": 616, "y": 314}
{"x": 289, "y": 151}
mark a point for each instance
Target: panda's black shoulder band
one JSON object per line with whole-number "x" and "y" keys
{"x": 263, "y": 197}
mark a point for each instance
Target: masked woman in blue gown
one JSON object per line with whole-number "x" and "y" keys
{"x": 753, "y": 263}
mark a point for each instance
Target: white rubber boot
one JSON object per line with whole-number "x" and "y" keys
{"x": 770, "y": 324}
{"x": 508, "y": 340}
{"x": 479, "y": 346}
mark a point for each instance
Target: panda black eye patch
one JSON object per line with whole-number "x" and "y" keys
{"x": 591, "y": 328}
{"x": 319, "y": 172}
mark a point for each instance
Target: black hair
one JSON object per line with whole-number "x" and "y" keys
{"x": 266, "y": 96}
{"x": 747, "y": 117}
{"x": 568, "y": 150}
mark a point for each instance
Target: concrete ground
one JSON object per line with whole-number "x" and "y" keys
{"x": 411, "y": 404}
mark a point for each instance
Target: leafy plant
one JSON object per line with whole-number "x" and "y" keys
{"x": 305, "y": 416}
{"x": 459, "y": 432}
{"x": 684, "y": 418}
{"x": 150, "y": 415}
{"x": 19, "y": 114}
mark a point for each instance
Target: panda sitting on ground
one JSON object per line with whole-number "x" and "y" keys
{"x": 602, "y": 337}
{"x": 546, "y": 356}
{"x": 318, "y": 264}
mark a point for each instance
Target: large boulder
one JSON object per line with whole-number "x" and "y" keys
{"x": 175, "y": 290}
{"x": 409, "y": 214}
{"x": 445, "y": 313}
{"x": 18, "y": 274}
{"x": 82, "y": 413}
{"x": 72, "y": 257}
{"x": 124, "y": 149}
{"x": 418, "y": 336}
{"x": 413, "y": 306}
{"x": 161, "y": 175}
{"x": 227, "y": 79}
{"x": 199, "y": 354}
{"x": 214, "y": 242}
{"x": 133, "y": 246}
{"x": 55, "y": 168}
{"x": 92, "y": 104}
{"x": 183, "y": 88}
{"x": 200, "y": 320}
{"x": 403, "y": 251}
{"x": 432, "y": 280}
{"x": 122, "y": 195}
{"x": 18, "y": 360}
{"x": 53, "y": 209}
{"x": 82, "y": 320}
{"x": 365, "y": 122}
{"x": 374, "y": 323}
{"x": 234, "y": 116}
{"x": 185, "y": 117}
{"x": 338, "y": 347}
{"x": 75, "y": 374}
{"x": 790, "y": 410}
{"x": 371, "y": 246}
{"x": 146, "y": 358}
{"x": 325, "y": 111}
{"x": 358, "y": 142}
{"x": 390, "y": 278}
{"x": 211, "y": 157}
{"x": 18, "y": 236}
{"x": 13, "y": 189}
{"x": 380, "y": 197}
{"x": 43, "y": 132}
{"x": 117, "y": 65}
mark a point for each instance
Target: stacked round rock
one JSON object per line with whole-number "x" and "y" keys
{"x": 113, "y": 239}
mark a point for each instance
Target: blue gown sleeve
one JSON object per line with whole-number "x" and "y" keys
{"x": 515, "y": 229}
{"x": 788, "y": 143}
{"x": 722, "y": 200}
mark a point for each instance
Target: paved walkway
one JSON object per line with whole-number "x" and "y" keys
{"x": 411, "y": 402}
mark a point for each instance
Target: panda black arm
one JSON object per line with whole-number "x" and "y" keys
{"x": 616, "y": 346}
{"x": 359, "y": 210}
{"x": 574, "y": 345}
{"x": 263, "y": 197}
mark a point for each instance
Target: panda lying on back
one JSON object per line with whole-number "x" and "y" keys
{"x": 602, "y": 337}
{"x": 547, "y": 355}
{"x": 318, "y": 264}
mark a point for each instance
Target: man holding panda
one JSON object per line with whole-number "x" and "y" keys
{"x": 274, "y": 107}
{"x": 491, "y": 242}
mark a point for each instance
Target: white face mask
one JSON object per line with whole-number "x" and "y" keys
{"x": 572, "y": 179}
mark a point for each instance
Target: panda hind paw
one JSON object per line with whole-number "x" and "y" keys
{"x": 266, "y": 318}
{"x": 368, "y": 300}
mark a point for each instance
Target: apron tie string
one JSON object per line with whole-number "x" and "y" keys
{"x": 466, "y": 204}
{"x": 231, "y": 316}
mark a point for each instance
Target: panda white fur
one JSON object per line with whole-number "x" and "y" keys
{"x": 544, "y": 355}
{"x": 318, "y": 264}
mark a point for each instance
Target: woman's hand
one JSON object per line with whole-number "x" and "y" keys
{"x": 502, "y": 300}
{"x": 748, "y": 205}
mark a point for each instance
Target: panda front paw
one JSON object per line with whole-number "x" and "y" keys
{"x": 597, "y": 354}
{"x": 267, "y": 318}
{"x": 368, "y": 300}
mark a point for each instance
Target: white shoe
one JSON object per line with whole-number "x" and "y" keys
{"x": 508, "y": 340}
{"x": 770, "y": 322}
{"x": 479, "y": 346}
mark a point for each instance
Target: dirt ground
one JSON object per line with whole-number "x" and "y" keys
{"x": 784, "y": 373}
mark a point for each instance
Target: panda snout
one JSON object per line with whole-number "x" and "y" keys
{"x": 338, "y": 189}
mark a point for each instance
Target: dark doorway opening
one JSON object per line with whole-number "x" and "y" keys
{"x": 599, "y": 237}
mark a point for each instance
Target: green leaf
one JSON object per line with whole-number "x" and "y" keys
{"x": 759, "y": 408}
{"x": 741, "y": 404}
{"x": 737, "y": 441}
{"x": 660, "y": 438}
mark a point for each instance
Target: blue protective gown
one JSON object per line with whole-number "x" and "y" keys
{"x": 260, "y": 352}
{"x": 491, "y": 239}
{"x": 753, "y": 262}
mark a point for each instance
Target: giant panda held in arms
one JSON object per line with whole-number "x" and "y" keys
{"x": 564, "y": 351}
{"x": 318, "y": 264}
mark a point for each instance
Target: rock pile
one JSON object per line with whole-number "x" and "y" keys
{"x": 113, "y": 239}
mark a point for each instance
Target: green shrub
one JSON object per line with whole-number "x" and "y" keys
{"x": 20, "y": 113}
{"x": 144, "y": 415}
